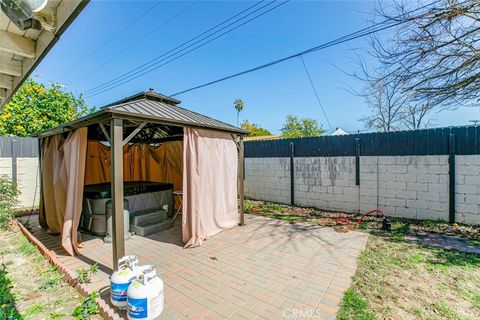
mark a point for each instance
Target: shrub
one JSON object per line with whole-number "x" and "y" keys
{"x": 8, "y": 200}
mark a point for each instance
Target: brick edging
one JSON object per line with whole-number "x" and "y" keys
{"x": 106, "y": 311}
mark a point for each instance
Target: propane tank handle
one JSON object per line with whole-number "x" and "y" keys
{"x": 127, "y": 261}
{"x": 148, "y": 273}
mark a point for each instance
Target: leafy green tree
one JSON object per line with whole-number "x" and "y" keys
{"x": 296, "y": 127}
{"x": 239, "y": 105}
{"x": 36, "y": 107}
{"x": 254, "y": 130}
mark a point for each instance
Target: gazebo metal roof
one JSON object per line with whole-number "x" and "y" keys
{"x": 151, "y": 107}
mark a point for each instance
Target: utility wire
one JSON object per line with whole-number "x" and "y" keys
{"x": 316, "y": 93}
{"x": 173, "y": 57}
{"x": 154, "y": 63}
{"x": 178, "y": 49}
{"x": 349, "y": 37}
{"x": 116, "y": 35}
{"x": 119, "y": 53}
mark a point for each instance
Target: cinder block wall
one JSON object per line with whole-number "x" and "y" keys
{"x": 28, "y": 182}
{"x": 19, "y": 162}
{"x": 27, "y": 179}
{"x": 403, "y": 186}
{"x": 467, "y": 189}
{"x": 6, "y": 167}
{"x": 327, "y": 183}
{"x": 268, "y": 179}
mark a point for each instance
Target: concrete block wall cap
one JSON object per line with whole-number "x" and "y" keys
{"x": 106, "y": 311}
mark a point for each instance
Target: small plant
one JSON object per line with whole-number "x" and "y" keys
{"x": 87, "y": 308}
{"x": 8, "y": 309}
{"x": 269, "y": 207}
{"x": 52, "y": 282}
{"x": 248, "y": 206}
{"x": 56, "y": 315}
{"x": 8, "y": 200}
{"x": 25, "y": 246}
{"x": 83, "y": 275}
{"x": 50, "y": 270}
{"x": 34, "y": 309}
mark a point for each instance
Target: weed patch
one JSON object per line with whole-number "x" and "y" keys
{"x": 84, "y": 275}
{"x": 34, "y": 309}
{"x": 87, "y": 308}
{"x": 25, "y": 246}
{"x": 31, "y": 288}
{"x": 354, "y": 306}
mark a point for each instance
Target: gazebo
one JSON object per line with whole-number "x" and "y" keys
{"x": 142, "y": 138}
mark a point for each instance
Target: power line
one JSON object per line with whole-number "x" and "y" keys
{"x": 154, "y": 63}
{"x": 144, "y": 68}
{"x": 119, "y": 53}
{"x": 89, "y": 55}
{"x": 316, "y": 93}
{"x": 349, "y": 37}
{"x": 148, "y": 63}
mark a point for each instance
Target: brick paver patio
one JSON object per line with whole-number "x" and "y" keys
{"x": 267, "y": 269}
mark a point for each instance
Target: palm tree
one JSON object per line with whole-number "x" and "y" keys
{"x": 239, "y": 105}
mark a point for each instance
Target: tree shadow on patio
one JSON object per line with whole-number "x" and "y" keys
{"x": 293, "y": 235}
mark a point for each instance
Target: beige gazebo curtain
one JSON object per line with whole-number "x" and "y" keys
{"x": 63, "y": 172}
{"x": 210, "y": 162}
{"x": 207, "y": 175}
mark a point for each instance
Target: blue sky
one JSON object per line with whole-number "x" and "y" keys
{"x": 81, "y": 62}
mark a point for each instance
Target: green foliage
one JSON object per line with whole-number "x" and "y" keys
{"x": 87, "y": 308}
{"x": 52, "y": 282}
{"x": 56, "y": 315}
{"x": 445, "y": 310}
{"x": 7, "y": 299}
{"x": 443, "y": 260}
{"x": 8, "y": 199}
{"x": 248, "y": 206}
{"x": 84, "y": 275}
{"x": 296, "y": 127}
{"x": 34, "y": 309}
{"x": 473, "y": 296}
{"x": 25, "y": 246}
{"x": 238, "y": 105}
{"x": 282, "y": 216}
{"x": 36, "y": 107}
{"x": 254, "y": 130}
{"x": 353, "y": 306}
{"x": 270, "y": 206}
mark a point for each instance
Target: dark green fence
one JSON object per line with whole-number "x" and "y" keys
{"x": 402, "y": 143}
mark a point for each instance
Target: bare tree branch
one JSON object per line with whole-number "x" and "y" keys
{"x": 435, "y": 55}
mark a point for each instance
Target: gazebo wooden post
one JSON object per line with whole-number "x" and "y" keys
{"x": 241, "y": 177}
{"x": 41, "y": 209}
{"x": 116, "y": 154}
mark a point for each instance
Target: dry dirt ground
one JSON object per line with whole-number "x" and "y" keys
{"x": 31, "y": 288}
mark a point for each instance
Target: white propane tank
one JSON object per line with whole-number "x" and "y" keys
{"x": 120, "y": 280}
{"x": 145, "y": 295}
